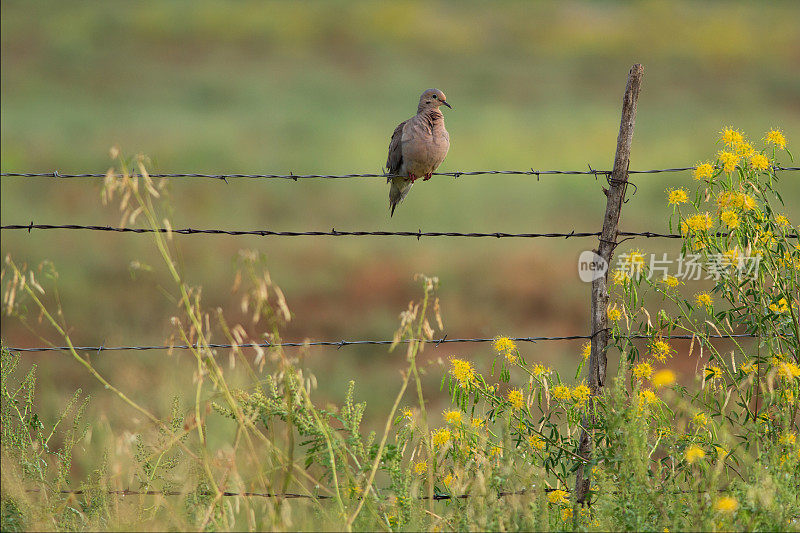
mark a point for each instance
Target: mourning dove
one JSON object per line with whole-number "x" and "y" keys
{"x": 418, "y": 146}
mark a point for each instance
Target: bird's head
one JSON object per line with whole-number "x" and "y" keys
{"x": 432, "y": 99}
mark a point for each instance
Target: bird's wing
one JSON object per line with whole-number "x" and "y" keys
{"x": 394, "y": 160}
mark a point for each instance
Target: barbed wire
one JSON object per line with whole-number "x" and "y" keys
{"x": 337, "y": 233}
{"x": 332, "y": 233}
{"x": 296, "y": 177}
{"x": 342, "y": 343}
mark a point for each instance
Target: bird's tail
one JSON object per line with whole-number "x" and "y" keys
{"x": 398, "y": 190}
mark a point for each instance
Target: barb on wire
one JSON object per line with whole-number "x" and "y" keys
{"x": 294, "y": 177}
{"x": 339, "y": 344}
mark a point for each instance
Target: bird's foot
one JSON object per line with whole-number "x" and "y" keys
{"x": 412, "y": 177}
{"x": 427, "y": 176}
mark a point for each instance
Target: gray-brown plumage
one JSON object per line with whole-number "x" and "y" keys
{"x": 418, "y": 146}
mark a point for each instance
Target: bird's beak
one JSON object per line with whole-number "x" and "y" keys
{"x": 448, "y": 105}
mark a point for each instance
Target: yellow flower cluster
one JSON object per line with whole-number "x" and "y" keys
{"x": 759, "y": 162}
{"x": 698, "y": 222}
{"x": 580, "y": 394}
{"x": 420, "y": 467}
{"x": 586, "y": 351}
{"x": 726, "y": 504}
{"x": 643, "y": 371}
{"x": 700, "y": 419}
{"x": 781, "y": 221}
{"x": 462, "y": 371}
{"x": 477, "y": 422}
{"x": 729, "y": 160}
{"x": 749, "y": 367}
{"x": 540, "y": 370}
{"x": 704, "y": 171}
{"x": 516, "y": 398}
{"x": 671, "y": 281}
{"x": 620, "y": 276}
{"x": 704, "y": 299}
{"x": 506, "y": 347}
{"x": 776, "y": 138}
{"x": 663, "y": 378}
{"x": 452, "y": 417}
{"x": 788, "y": 371}
{"x": 713, "y": 373}
{"x": 440, "y": 437}
{"x": 561, "y": 392}
{"x": 677, "y": 196}
{"x": 781, "y": 307}
{"x": 660, "y": 350}
{"x": 558, "y": 496}
{"x": 614, "y": 313}
{"x": 731, "y": 137}
{"x": 647, "y": 397}
{"x": 536, "y": 442}
{"x": 730, "y": 219}
{"x": 693, "y": 453}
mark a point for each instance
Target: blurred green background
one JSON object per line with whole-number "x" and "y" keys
{"x": 258, "y": 87}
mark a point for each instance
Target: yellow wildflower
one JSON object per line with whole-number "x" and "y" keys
{"x": 789, "y": 370}
{"x": 677, "y": 196}
{"x": 671, "y": 281}
{"x": 561, "y": 392}
{"x": 788, "y": 439}
{"x": 704, "y": 299}
{"x": 440, "y": 436}
{"x": 660, "y": 350}
{"x": 620, "y": 276}
{"x": 713, "y": 373}
{"x": 729, "y": 160}
{"x": 699, "y": 222}
{"x": 749, "y": 367}
{"x": 462, "y": 371}
{"x": 586, "y": 351}
{"x": 448, "y": 479}
{"x": 477, "y": 422}
{"x": 732, "y": 257}
{"x": 747, "y": 202}
{"x": 536, "y": 442}
{"x": 725, "y": 199}
{"x": 566, "y": 514}
{"x": 781, "y": 221}
{"x": 730, "y": 219}
{"x": 408, "y": 414}
{"x": 540, "y": 370}
{"x": 613, "y": 313}
{"x": 700, "y": 419}
{"x": 781, "y": 307}
{"x": 744, "y": 149}
{"x": 636, "y": 258}
{"x": 776, "y": 137}
{"x": 420, "y": 467}
{"x": 703, "y": 171}
{"x": 580, "y": 394}
{"x": 726, "y": 504}
{"x": 558, "y": 496}
{"x": 452, "y": 417}
{"x": 643, "y": 371}
{"x": 647, "y": 397}
{"x": 731, "y": 137}
{"x": 506, "y": 347}
{"x": 516, "y": 398}
{"x": 663, "y": 378}
{"x": 496, "y": 450}
{"x": 759, "y": 162}
{"x": 693, "y": 453}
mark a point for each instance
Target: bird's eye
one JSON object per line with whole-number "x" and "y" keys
{"x": 435, "y": 97}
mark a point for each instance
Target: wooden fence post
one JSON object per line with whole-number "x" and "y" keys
{"x": 598, "y": 319}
